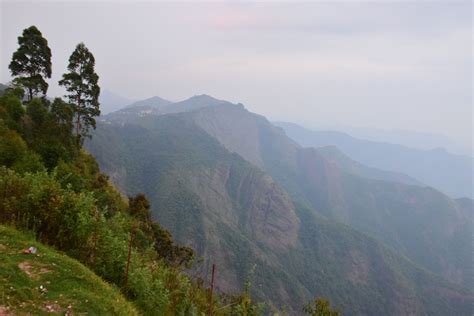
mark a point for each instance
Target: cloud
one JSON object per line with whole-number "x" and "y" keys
{"x": 354, "y": 63}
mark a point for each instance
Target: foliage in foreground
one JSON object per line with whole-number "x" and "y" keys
{"x": 54, "y": 189}
{"x": 51, "y": 282}
{"x": 320, "y": 307}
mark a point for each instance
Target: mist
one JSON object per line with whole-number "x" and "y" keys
{"x": 384, "y": 65}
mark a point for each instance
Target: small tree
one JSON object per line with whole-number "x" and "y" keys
{"x": 320, "y": 307}
{"x": 139, "y": 207}
{"x": 62, "y": 114}
{"x": 81, "y": 83}
{"x": 31, "y": 63}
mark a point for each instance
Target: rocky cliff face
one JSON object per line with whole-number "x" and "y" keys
{"x": 249, "y": 200}
{"x": 234, "y": 131}
{"x": 209, "y": 198}
{"x": 420, "y": 222}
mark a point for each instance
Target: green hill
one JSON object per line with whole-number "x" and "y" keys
{"x": 49, "y": 281}
{"x": 236, "y": 215}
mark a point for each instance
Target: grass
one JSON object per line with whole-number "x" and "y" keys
{"x": 50, "y": 282}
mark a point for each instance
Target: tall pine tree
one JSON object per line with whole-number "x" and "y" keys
{"x": 81, "y": 83}
{"x": 31, "y": 63}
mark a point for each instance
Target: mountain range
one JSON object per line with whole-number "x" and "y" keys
{"x": 407, "y": 138}
{"x": 308, "y": 221}
{"x": 453, "y": 178}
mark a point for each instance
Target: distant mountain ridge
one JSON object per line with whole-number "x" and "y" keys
{"x": 407, "y": 138}
{"x": 159, "y": 106}
{"x": 333, "y": 154}
{"x": 150, "y": 103}
{"x": 110, "y": 102}
{"x": 447, "y": 172}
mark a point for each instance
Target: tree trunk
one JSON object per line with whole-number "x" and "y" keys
{"x": 30, "y": 93}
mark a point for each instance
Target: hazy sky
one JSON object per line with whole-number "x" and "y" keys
{"x": 401, "y": 65}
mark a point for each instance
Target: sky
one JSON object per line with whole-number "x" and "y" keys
{"x": 404, "y": 65}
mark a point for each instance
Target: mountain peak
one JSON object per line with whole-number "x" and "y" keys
{"x": 203, "y": 97}
{"x": 154, "y": 101}
{"x": 203, "y": 100}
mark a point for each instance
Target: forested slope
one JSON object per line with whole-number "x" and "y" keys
{"x": 234, "y": 213}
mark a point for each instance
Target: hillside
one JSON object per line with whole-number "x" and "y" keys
{"x": 454, "y": 178}
{"x": 334, "y": 155}
{"x": 237, "y": 215}
{"x": 407, "y": 138}
{"x": 51, "y": 282}
{"x": 421, "y": 223}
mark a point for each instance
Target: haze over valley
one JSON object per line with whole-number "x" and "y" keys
{"x": 237, "y": 158}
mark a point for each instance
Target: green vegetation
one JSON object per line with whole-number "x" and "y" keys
{"x": 81, "y": 82}
{"x": 320, "y": 307}
{"x": 49, "y": 281}
{"x": 74, "y": 208}
{"x": 53, "y": 189}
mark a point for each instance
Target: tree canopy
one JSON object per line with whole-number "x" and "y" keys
{"x": 81, "y": 83}
{"x": 320, "y": 307}
{"x": 31, "y": 63}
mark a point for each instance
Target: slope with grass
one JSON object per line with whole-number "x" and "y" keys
{"x": 49, "y": 281}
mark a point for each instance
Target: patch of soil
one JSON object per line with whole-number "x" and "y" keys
{"x": 43, "y": 270}
{"x": 32, "y": 271}
{"x": 53, "y": 307}
{"x": 26, "y": 267}
{"x": 3, "y": 248}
